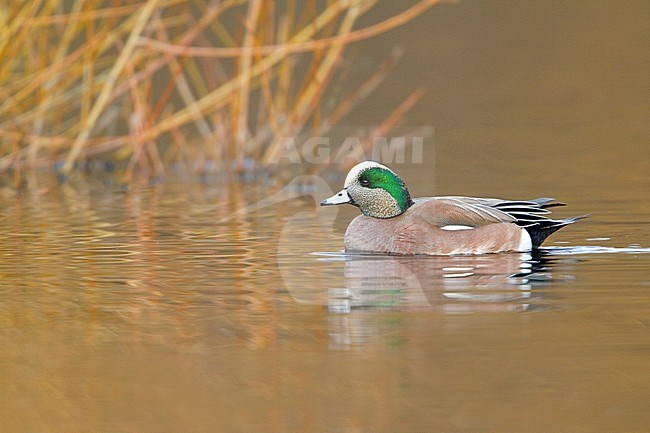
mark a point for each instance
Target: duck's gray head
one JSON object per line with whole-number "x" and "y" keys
{"x": 375, "y": 189}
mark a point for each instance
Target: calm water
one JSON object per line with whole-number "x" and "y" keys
{"x": 168, "y": 308}
{"x": 163, "y": 309}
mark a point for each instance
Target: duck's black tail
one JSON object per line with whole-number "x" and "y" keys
{"x": 529, "y": 214}
{"x": 541, "y": 230}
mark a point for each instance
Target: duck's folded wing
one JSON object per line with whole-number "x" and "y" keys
{"x": 459, "y": 211}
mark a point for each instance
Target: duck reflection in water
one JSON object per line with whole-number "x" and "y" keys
{"x": 499, "y": 282}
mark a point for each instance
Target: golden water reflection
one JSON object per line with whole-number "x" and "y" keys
{"x": 164, "y": 308}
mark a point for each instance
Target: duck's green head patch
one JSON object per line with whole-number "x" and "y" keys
{"x": 383, "y": 178}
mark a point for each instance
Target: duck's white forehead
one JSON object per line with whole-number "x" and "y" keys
{"x": 355, "y": 171}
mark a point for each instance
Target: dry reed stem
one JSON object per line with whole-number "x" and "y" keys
{"x": 105, "y": 94}
{"x": 47, "y": 103}
{"x": 218, "y": 97}
{"x": 213, "y": 11}
{"x": 34, "y": 82}
{"x": 107, "y": 86}
{"x": 91, "y": 15}
{"x": 245, "y": 61}
{"x": 308, "y": 99}
{"x": 297, "y": 47}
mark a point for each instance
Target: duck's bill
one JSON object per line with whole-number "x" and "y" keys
{"x": 340, "y": 197}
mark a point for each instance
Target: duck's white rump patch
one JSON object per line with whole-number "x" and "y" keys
{"x": 526, "y": 243}
{"x": 456, "y": 227}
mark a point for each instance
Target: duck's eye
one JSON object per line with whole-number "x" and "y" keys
{"x": 364, "y": 182}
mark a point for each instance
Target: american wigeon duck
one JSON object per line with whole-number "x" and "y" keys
{"x": 394, "y": 223}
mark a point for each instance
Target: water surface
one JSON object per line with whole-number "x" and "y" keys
{"x": 162, "y": 308}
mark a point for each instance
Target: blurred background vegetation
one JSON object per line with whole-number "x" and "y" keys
{"x": 207, "y": 84}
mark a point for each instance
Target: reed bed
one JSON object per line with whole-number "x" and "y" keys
{"x": 200, "y": 83}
